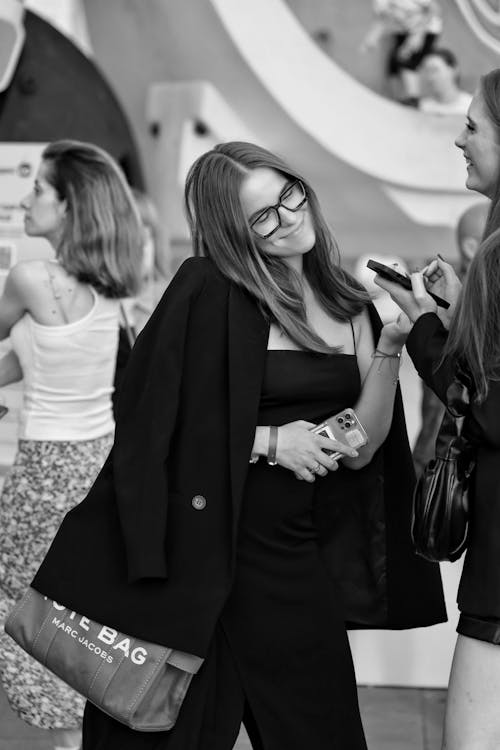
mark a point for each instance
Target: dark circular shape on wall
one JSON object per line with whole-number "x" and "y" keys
{"x": 57, "y": 92}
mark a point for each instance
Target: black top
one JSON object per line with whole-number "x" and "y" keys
{"x": 304, "y": 385}
{"x": 479, "y": 591}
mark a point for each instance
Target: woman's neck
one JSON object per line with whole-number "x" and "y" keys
{"x": 296, "y": 263}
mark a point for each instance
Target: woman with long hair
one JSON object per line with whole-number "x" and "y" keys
{"x": 62, "y": 317}
{"x": 466, "y": 346}
{"x": 221, "y": 526}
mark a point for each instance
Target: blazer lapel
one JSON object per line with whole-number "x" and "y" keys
{"x": 248, "y": 333}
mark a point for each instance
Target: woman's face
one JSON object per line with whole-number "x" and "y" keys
{"x": 480, "y": 146}
{"x": 294, "y": 236}
{"x": 44, "y": 210}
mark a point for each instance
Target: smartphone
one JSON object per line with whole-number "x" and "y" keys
{"x": 391, "y": 275}
{"x": 344, "y": 427}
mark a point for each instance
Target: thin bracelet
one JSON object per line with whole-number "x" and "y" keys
{"x": 272, "y": 446}
{"x": 379, "y": 354}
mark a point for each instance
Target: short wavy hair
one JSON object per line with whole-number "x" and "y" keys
{"x": 101, "y": 238}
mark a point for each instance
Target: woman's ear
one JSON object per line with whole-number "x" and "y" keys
{"x": 63, "y": 209}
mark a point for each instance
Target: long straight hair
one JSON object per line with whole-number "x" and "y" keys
{"x": 101, "y": 239}
{"x": 474, "y": 335}
{"x": 221, "y": 232}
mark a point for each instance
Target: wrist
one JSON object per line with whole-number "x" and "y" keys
{"x": 389, "y": 345}
{"x": 261, "y": 441}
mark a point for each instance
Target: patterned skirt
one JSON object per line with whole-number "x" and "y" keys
{"x": 47, "y": 479}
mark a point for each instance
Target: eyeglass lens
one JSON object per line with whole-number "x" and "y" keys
{"x": 292, "y": 198}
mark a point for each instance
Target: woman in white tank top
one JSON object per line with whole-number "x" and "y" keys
{"x": 63, "y": 319}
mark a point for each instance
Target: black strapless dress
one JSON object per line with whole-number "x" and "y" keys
{"x": 280, "y": 659}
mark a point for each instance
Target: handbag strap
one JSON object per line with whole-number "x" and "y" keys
{"x": 126, "y": 325}
{"x": 450, "y": 429}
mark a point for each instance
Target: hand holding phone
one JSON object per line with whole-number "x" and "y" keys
{"x": 344, "y": 427}
{"x": 392, "y": 275}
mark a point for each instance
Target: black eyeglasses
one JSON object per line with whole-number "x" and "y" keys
{"x": 268, "y": 220}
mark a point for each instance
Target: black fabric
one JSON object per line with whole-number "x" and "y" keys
{"x": 122, "y": 358}
{"x": 287, "y": 644}
{"x": 137, "y": 555}
{"x": 482, "y": 629}
{"x": 479, "y": 591}
{"x": 209, "y": 719}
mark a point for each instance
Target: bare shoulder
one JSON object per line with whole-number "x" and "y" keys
{"x": 26, "y": 276}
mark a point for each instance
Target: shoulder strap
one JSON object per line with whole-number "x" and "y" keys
{"x": 353, "y": 336}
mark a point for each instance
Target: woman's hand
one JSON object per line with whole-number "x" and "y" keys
{"x": 414, "y": 302}
{"x": 301, "y": 450}
{"x": 394, "y": 334}
{"x": 442, "y": 280}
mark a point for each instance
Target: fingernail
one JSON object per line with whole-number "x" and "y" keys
{"x": 354, "y": 453}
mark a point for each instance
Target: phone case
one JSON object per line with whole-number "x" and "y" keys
{"x": 344, "y": 427}
{"x": 389, "y": 273}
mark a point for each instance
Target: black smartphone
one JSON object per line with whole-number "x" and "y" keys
{"x": 391, "y": 275}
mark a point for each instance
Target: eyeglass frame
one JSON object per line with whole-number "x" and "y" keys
{"x": 276, "y": 208}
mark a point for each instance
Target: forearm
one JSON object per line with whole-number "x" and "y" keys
{"x": 375, "y": 405}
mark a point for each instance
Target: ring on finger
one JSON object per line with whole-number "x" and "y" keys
{"x": 316, "y": 468}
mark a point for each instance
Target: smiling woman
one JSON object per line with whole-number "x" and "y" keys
{"x": 254, "y": 555}
{"x": 464, "y": 351}
{"x": 479, "y": 142}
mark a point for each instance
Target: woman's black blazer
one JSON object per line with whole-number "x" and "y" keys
{"x": 151, "y": 549}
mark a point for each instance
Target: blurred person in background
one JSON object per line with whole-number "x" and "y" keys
{"x": 440, "y": 76}
{"x": 414, "y": 27}
{"x": 62, "y": 317}
{"x": 463, "y": 343}
{"x": 470, "y": 230}
{"x": 155, "y": 273}
{"x": 220, "y": 526}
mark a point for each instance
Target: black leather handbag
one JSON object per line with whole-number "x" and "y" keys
{"x": 441, "y": 501}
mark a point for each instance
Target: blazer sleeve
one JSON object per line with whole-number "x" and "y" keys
{"x": 425, "y": 346}
{"x": 145, "y": 420}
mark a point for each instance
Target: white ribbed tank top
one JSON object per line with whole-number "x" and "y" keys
{"x": 68, "y": 374}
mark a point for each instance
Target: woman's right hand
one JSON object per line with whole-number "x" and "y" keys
{"x": 301, "y": 450}
{"x": 442, "y": 280}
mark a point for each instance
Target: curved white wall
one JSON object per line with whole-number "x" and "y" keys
{"x": 392, "y": 143}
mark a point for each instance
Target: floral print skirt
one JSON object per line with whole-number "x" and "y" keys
{"x": 47, "y": 479}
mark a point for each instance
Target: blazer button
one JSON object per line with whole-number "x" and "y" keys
{"x": 198, "y": 502}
